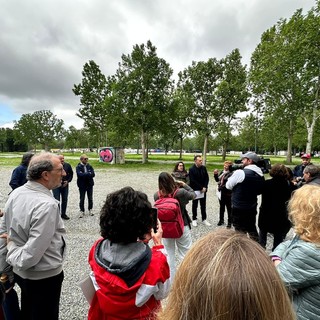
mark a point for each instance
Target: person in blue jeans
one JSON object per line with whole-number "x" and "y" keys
{"x": 63, "y": 191}
{"x": 85, "y": 182}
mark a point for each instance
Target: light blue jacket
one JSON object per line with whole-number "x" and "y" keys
{"x": 300, "y": 271}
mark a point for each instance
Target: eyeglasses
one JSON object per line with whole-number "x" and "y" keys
{"x": 85, "y": 158}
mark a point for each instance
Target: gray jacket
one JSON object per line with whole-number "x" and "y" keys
{"x": 300, "y": 271}
{"x": 36, "y": 249}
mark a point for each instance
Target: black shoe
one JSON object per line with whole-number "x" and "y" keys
{"x": 65, "y": 217}
{"x": 229, "y": 226}
{"x": 220, "y": 223}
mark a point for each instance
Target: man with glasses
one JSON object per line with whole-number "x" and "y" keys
{"x": 85, "y": 182}
{"x": 35, "y": 238}
{"x": 63, "y": 191}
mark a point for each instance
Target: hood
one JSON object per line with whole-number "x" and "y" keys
{"x": 254, "y": 168}
{"x": 128, "y": 261}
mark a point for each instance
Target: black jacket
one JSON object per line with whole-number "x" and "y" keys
{"x": 273, "y": 216}
{"x": 85, "y": 176}
{"x": 199, "y": 177}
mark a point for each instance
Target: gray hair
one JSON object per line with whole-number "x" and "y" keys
{"x": 38, "y": 164}
{"x": 312, "y": 169}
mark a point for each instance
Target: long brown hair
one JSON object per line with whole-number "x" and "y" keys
{"x": 227, "y": 276}
{"x": 167, "y": 185}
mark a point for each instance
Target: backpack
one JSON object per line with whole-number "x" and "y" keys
{"x": 170, "y": 216}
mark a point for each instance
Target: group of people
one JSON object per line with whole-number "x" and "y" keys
{"x": 85, "y": 182}
{"x": 224, "y": 275}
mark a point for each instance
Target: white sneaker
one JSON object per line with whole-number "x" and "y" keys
{"x": 206, "y": 223}
{"x": 81, "y": 214}
{"x": 194, "y": 223}
{"x": 91, "y": 213}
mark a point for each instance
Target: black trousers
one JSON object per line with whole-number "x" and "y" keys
{"x": 278, "y": 237}
{"x": 225, "y": 202}
{"x": 83, "y": 191}
{"x": 244, "y": 220}
{"x": 202, "y": 206}
{"x": 40, "y": 298}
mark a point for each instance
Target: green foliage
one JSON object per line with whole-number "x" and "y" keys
{"x": 285, "y": 71}
{"x": 95, "y": 93}
{"x": 41, "y": 127}
{"x": 142, "y": 90}
{"x": 232, "y": 96}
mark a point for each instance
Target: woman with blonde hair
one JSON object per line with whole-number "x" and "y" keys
{"x": 227, "y": 276}
{"x": 298, "y": 260}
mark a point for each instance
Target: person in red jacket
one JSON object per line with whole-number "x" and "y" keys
{"x": 129, "y": 277}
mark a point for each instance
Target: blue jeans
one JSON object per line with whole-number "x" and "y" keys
{"x": 62, "y": 192}
{"x": 83, "y": 191}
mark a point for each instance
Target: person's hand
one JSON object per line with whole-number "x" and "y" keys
{"x": 4, "y": 235}
{"x": 276, "y": 262}
{"x": 215, "y": 171}
{"x": 157, "y": 237}
{"x": 180, "y": 183}
{"x": 204, "y": 190}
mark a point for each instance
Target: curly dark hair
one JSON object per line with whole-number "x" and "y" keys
{"x": 125, "y": 216}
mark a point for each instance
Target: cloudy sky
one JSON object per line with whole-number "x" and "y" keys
{"x": 44, "y": 43}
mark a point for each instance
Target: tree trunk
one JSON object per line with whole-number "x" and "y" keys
{"x": 224, "y": 152}
{"x": 310, "y": 129}
{"x": 289, "y": 149}
{"x": 143, "y": 147}
{"x": 205, "y": 147}
{"x": 181, "y": 140}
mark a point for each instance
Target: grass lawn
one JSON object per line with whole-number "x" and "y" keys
{"x": 158, "y": 162}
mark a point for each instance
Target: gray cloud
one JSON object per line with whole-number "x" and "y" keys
{"x": 44, "y": 44}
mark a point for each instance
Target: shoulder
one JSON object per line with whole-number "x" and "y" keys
{"x": 68, "y": 165}
{"x": 237, "y": 174}
{"x": 304, "y": 251}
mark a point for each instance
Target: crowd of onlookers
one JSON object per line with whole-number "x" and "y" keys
{"x": 225, "y": 275}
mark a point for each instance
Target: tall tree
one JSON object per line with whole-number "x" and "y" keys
{"x": 179, "y": 125}
{"x": 200, "y": 82}
{"x": 41, "y": 127}
{"x": 95, "y": 95}
{"x": 285, "y": 72}
{"x": 142, "y": 91}
{"x": 232, "y": 96}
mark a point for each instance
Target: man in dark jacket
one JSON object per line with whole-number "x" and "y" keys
{"x": 19, "y": 174}
{"x": 298, "y": 170}
{"x": 85, "y": 174}
{"x": 63, "y": 190}
{"x": 246, "y": 184}
{"x": 199, "y": 180}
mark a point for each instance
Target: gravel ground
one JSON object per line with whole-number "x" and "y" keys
{"x": 81, "y": 233}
